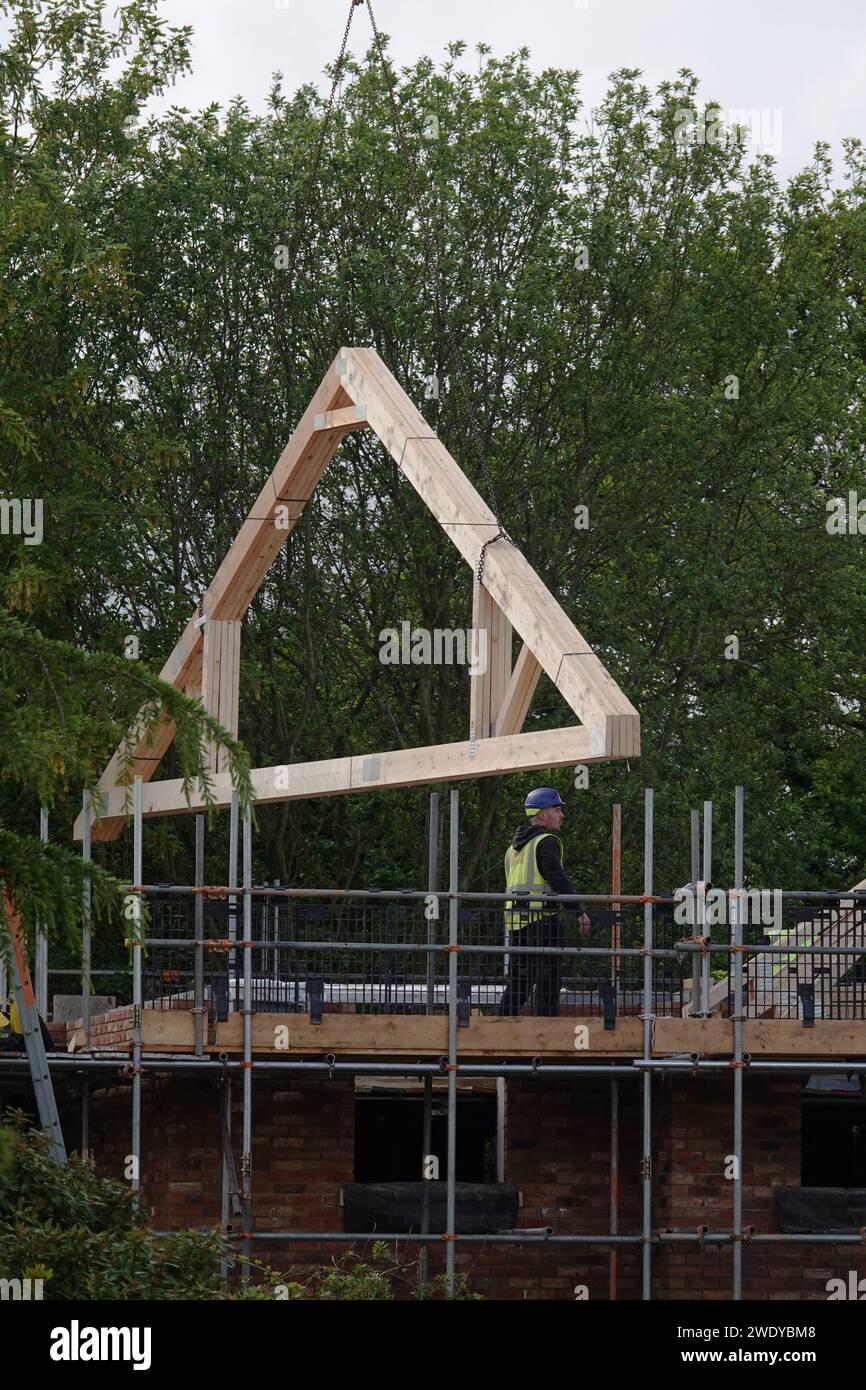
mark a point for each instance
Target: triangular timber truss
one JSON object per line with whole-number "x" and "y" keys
{"x": 359, "y": 392}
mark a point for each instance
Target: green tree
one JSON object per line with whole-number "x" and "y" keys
{"x": 69, "y": 87}
{"x": 651, "y": 328}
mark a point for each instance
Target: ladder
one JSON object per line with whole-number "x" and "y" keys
{"x": 34, "y": 1045}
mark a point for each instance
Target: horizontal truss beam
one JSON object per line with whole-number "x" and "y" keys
{"x": 404, "y": 767}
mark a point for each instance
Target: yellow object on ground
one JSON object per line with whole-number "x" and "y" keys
{"x": 9, "y": 1017}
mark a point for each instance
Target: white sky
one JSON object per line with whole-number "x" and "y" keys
{"x": 804, "y": 59}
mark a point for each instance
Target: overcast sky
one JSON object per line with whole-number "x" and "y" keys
{"x": 801, "y": 63}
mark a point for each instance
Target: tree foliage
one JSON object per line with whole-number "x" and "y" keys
{"x": 654, "y": 329}
{"x": 66, "y": 693}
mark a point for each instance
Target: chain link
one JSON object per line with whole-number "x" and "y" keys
{"x": 307, "y": 200}
{"x": 441, "y": 303}
{"x": 429, "y": 245}
{"x": 501, "y": 534}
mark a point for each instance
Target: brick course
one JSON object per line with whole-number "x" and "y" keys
{"x": 557, "y": 1153}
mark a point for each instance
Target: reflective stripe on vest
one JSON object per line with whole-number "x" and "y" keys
{"x": 522, "y": 874}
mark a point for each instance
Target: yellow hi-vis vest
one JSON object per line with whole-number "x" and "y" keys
{"x": 12, "y": 1022}
{"x": 522, "y": 874}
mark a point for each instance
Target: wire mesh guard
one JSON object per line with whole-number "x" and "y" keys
{"x": 827, "y": 980}
{"x": 369, "y": 955}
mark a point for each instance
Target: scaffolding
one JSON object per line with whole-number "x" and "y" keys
{"x": 251, "y": 943}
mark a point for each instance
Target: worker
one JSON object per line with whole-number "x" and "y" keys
{"x": 11, "y": 1037}
{"x": 9, "y": 1014}
{"x": 533, "y": 861}
{"x": 11, "y": 1032}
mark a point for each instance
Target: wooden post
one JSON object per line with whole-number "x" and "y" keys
{"x": 220, "y": 680}
{"x": 491, "y": 646}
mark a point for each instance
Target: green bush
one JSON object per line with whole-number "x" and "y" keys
{"x": 86, "y": 1239}
{"x": 353, "y": 1278}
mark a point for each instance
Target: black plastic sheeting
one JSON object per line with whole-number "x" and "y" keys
{"x": 811, "y": 1210}
{"x": 482, "y": 1208}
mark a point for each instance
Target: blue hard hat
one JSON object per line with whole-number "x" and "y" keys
{"x": 541, "y": 799}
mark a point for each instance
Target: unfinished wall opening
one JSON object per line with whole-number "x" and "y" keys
{"x": 389, "y": 1132}
{"x": 833, "y": 1152}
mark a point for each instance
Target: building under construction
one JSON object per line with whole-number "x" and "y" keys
{"x": 311, "y": 1068}
{"x": 666, "y": 1136}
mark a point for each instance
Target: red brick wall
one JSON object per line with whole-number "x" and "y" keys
{"x": 693, "y": 1134}
{"x": 110, "y": 1030}
{"x": 303, "y": 1152}
{"x": 557, "y": 1153}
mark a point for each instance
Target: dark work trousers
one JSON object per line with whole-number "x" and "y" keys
{"x": 541, "y": 973}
